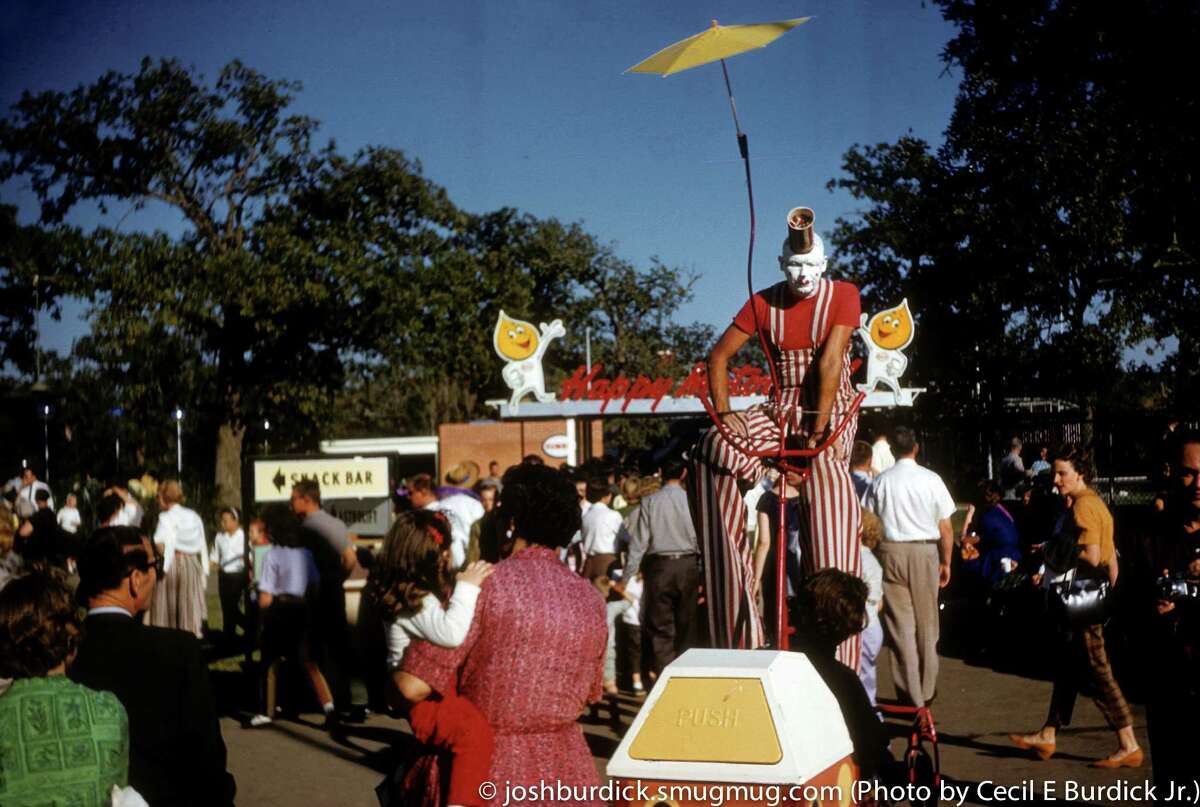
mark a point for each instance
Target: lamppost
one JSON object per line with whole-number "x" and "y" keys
{"x": 266, "y": 436}
{"x": 44, "y": 411}
{"x": 178, "y": 415}
{"x": 117, "y": 412}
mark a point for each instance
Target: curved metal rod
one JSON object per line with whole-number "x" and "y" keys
{"x": 744, "y": 150}
{"x": 741, "y": 444}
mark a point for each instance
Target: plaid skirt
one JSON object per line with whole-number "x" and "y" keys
{"x": 180, "y": 599}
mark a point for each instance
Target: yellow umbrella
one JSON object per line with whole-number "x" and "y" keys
{"x": 718, "y": 42}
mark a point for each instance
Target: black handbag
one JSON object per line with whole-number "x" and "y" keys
{"x": 1082, "y": 593}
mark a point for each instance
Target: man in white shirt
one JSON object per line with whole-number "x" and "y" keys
{"x": 915, "y": 508}
{"x": 461, "y": 509}
{"x": 30, "y": 485}
{"x": 68, "y": 517}
{"x": 229, "y": 547}
{"x": 602, "y": 535}
{"x": 602, "y": 528}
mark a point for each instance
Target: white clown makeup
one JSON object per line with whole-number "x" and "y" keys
{"x": 803, "y": 271}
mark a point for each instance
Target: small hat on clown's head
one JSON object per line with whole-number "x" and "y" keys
{"x": 802, "y": 238}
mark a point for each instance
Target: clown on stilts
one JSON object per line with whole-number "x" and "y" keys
{"x": 805, "y": 323}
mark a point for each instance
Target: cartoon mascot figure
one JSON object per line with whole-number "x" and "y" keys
{"x": 888, "y": 333}
{"x": 522, "y": 346}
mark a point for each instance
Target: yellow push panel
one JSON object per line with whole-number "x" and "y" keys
{"x": 710, "y": 720}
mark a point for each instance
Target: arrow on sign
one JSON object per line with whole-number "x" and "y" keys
{"x": 279, "y": 479}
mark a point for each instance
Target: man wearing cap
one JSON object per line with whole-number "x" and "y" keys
{"x": 806, "y": 322}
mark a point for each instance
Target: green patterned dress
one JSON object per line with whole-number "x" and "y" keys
{"x": 61, "y": 744}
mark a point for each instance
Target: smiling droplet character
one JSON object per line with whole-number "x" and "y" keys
{"x": 522, "y": 345}
{"x": 887, "y": 333}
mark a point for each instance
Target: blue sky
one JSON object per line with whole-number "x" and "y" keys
{"x": 524, "y": 104}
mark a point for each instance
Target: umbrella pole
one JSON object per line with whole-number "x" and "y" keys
{"x": 733, "y": 108}
{"x": 744, "y": 148}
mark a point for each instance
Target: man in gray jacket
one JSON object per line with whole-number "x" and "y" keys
{"x": 663, "y": 548}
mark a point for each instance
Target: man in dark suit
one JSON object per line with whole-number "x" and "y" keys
{"x": 176, "y": 754}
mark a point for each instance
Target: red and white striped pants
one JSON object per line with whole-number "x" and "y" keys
{"x": 831, "y": 527}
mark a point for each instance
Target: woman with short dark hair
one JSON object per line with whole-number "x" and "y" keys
{"x": 1089, "y": 521}
{"x": 70, "y": 743}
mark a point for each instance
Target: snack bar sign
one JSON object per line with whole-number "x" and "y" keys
{"x": 341, "y": 478}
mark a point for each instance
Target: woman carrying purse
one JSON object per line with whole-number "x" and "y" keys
{"x": 1086, "y": 653}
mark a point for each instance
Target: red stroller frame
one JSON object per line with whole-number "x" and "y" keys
{"x": 921, "y": 767}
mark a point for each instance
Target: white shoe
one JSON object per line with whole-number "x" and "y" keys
{"x": 259, "y": 720}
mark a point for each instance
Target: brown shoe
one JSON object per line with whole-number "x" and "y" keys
{"x": 1044, "y": 750}
{"x": 1125, "y": 759}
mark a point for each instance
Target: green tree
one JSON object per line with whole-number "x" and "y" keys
{"x": 436, "y": 362}
{"x": 30, "y": 263}
{"x": 631, "y": 312}
{"x": 274, "y": 282}
{"x": 1044, "y": 233}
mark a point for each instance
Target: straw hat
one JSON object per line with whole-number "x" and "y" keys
{"x": 631, "y": 489}
{"x": 463, "y": 475}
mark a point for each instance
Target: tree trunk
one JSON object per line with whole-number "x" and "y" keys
{"x": 229, "y": 465}
{"x": 1087, "y": 431}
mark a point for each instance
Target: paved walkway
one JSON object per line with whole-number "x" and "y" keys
{"x": 296, "y": 762}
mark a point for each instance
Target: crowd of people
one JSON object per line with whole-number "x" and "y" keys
{"x": 597, "y": 573}
{"x": 498, "y": 610}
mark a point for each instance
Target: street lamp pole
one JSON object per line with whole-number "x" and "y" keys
{"x": 178, "y": 414}
{"x": 116, "y": 412}
{"x": 266, "y": 436}
{"x": 46, "y": 437}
